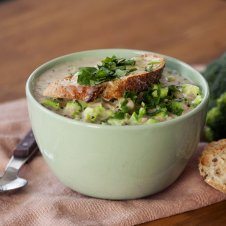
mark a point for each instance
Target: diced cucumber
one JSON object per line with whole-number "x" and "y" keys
{"x": 176, "y": 107}
{"x": 190, "y": 91}
{"x": 72, "y": 109}
{"x": 51, "y": 104}
{"x": 151, "y": 121}
{"x": 197, "y": 101}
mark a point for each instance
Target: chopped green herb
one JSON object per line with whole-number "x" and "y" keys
{"x": 120, "y": 73}
{"x": 176, "y": 107}
{"x": 119, "y": 115}
{"x": 110, "y": 68}
{"x": 131, "y": 95}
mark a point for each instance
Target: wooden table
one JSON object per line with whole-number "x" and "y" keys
{"x": 32, "y": 32}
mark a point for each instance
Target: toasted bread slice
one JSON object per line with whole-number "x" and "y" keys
{"x": 212, "y": 165}
{"x": 68, "y": 88}
{"x": 136, "y": 81}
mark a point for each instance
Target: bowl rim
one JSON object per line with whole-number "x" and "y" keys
{"x": 124, "y": 127}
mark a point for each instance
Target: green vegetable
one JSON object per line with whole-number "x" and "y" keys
{"x": 90, "y": 114}
{"x": 161, "y": 115}
{"x": 72, "y": 109}
{"x": 123, "y": 105}
{"x": 215, "y": 74}
{"x": 163, "y": 92}
{"x": 159, "y": 101}
{"x": 190, "y": 91}
{"x": 196, "y": 101}
{"x": 152, "y": 96}
{"x": 95, "y": 114}
{"x": 216, "y": 120}
{"x": 53, "y": 104}
{"x": 173, "y": 91}
{"x": 176, "y": 107}
{"x": 87, "y": 76}
{"x": 141, "y": 113}
{"x": 131, "y": 95}
{"x": 134, "y": 119}
{"x": 151, "y": 121}
{"x": 209, "y": 136}
{"x": 137, "y": 117}
{"x": 83, "y": 104}
{"x": 126, "y": 105}
{"x": 117, "y": 122}
{"x": 119, "y": 115}
{"x": 110, "y": 68}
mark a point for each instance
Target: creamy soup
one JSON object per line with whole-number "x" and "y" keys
{"x": 173, "y": 96}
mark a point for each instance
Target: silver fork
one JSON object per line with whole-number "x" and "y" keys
{"x": 24, "y": 151}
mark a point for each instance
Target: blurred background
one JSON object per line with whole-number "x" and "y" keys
{"x": 33, "y": 32}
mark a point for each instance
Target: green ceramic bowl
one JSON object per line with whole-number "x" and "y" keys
{"x": 116, "y": 162}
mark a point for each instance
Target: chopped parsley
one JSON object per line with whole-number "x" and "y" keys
{"x": 152, "y": 100}
{"x": 109, "y": 69}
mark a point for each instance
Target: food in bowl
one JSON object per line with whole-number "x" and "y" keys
{"x": 118, "y": 91}
{"x": 113, "y": 162}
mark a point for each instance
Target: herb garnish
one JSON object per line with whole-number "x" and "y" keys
{"x": 110, "y": 68}
{"x": 152, "y": 101}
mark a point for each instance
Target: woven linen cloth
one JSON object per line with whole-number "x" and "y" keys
{"x": 45, "y": 201}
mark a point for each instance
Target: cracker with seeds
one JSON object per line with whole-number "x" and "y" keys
{"x": 212, "y": 165}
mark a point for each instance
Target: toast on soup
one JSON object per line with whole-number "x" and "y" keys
{"x": 212, "y": 165}
{"x": 110, "y": 80}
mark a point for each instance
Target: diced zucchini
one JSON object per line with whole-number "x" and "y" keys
{"x": 176, "y": 107}
{"x": 151, "y": 121}
{"x": 51, "y": 104}
{"x": 116, "y": 122}
{"x": 161, "y": 116}
{"x": 190, "y": 91}
{"x": 163, "y": 92}
{"x": 83, "y": 104}
{"x": 142, "y": 112}
{"x": 197, "y": 101}
{"x": 72, "y": 109}
{"x": 137, "y": 118}
{"x": 96, "y": 114}
{"x": 134, "y": 120}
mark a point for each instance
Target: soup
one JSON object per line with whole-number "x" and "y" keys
{"x": 170, "y": 97}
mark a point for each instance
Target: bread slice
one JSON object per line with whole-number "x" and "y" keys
{"x": 136, "y": 81}
{"x": 212, "y": 165}
{"x": 68, "y": 88}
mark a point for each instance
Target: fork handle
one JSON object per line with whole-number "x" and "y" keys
{"x": 26, "y": 146}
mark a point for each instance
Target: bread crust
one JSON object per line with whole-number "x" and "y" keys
{"x": 212, "y": 165}
{"x": 114, "y": 89}
{"x": 137, "y": 83}
{"x": 72, "y": 92}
